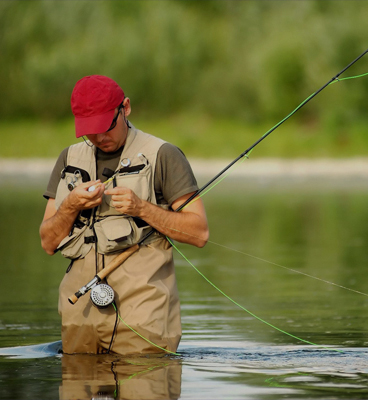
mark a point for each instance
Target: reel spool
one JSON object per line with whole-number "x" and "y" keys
{"x": 102, "y": 295}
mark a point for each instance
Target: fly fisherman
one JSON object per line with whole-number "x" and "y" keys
{"x": 91, "y": 222}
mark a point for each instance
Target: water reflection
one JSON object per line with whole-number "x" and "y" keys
{"x": 108, "y": 377}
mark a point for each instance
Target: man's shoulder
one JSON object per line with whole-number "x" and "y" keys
{"x": 169, "y": 150}
{"x": 63, "y": 156}
{"x": 65, "y": 151}
{"x": 138, "y": 142}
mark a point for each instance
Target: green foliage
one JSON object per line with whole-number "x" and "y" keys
{"x": 249, "y": 61}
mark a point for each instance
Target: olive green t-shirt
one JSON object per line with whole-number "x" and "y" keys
{"x": 173, "y": 174}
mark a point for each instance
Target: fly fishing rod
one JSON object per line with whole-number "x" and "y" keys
{"x": 102, "y": 294}
{"x": 249, "y": 149}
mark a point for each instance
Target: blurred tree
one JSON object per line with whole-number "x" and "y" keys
{"x": 249, "y": 60}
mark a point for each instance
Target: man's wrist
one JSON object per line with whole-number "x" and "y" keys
{"x": 68, "y": 208}
{"x": 147, "y": 210}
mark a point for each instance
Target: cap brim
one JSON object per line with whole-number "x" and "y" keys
{"x": 93, "y": 125}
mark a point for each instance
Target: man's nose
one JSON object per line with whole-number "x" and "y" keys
{"x": 100, "y": 137}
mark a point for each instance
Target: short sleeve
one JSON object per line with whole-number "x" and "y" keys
{"x": 173, "y": 175}
{"x": 55, "y": 175}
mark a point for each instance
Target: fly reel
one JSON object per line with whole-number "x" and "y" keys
{"x": 102, "y": 295}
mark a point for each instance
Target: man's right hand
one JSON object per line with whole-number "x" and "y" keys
{"x": 80, "y": 198}
{"x": 57, "y": 223}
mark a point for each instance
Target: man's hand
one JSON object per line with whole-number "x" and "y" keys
{"x": 187, "y": 226}
{"x": 81, "y": 198}
{"x": 125, "y": 201}
{"x": 57, "y": 223}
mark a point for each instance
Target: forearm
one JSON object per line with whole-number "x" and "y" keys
{"x": 54, "y": 229}
{"x": 57, "y": 223}
{"x": 185, "y": 227}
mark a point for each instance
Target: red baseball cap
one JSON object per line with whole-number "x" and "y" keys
{"x": 94, "y": 99}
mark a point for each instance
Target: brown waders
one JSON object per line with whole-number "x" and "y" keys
{"x": 146, "y": 298}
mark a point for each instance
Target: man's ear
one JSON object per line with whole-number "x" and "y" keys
{"x": 127, "y": 107}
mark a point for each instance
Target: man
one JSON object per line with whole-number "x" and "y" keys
{"x": 91, "y": 222}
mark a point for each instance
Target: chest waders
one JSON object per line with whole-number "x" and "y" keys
{"x": 144, "y": 286}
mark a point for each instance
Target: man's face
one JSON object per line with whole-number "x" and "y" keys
{"x": 113, "y": 139}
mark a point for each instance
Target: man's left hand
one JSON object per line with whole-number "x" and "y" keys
{"x": 125, "y": 201}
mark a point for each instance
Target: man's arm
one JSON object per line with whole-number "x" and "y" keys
{"x": 57, "y": 223}
{"x": 187, "y": 226}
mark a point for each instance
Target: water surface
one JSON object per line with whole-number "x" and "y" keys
{"x": 269, "y": 241}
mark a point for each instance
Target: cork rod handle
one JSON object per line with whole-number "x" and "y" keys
{"x": 117, "y": 261}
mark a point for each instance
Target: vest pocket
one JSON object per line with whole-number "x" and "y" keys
{"x": 113, "y": 233}
{"x": 138, "y": 181}
{"x": 116, "y": 233}
{"x": 73, "y": 246}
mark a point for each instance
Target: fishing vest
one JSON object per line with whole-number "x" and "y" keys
{"x": 103, "y": 226}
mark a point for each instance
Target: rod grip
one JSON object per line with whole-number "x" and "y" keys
{"x": 117, "y": 261}
{"x": 73, "y": 299}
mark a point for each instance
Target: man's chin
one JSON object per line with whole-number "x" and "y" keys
{"x": 107, "y": 148}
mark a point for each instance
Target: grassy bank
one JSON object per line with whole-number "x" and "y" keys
{"x": 198, "y": 136}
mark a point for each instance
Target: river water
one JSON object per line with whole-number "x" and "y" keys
{"x": 291, "y": 319}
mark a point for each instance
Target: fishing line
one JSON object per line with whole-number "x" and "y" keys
{"x": 268, "y": 262}
{"x": 120, "y": 382}
{"x": 246, "y": 156}
{"x": 349, "y": 77}
{"x": 233, "y": 167}
{"x": 149, "y": 369}
{"x": 289, "y": 269}
{"x": 249, "y": 150}
{"x": 273, "y": 263}
{"x": 245, "y": 309}
{"x": 211, "y": 184}
{"x": 141, "y": 336}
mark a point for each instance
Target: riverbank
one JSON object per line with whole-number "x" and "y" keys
{"x": 263, "y": 170}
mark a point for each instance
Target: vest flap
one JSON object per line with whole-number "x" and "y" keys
{"x": 73, "y": 246}
{"x": 114, "y": 228}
